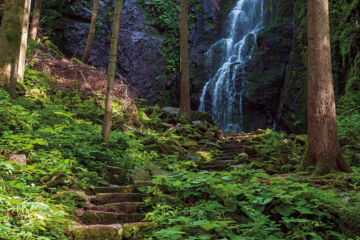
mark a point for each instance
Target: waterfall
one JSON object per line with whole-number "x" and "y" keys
{"x": 222, "y": 95}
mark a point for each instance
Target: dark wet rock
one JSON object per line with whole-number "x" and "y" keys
{"x": 139, "y": 62}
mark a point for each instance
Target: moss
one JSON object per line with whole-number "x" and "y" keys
{"x": 138, "y": 230}
{"x": 111, "y": 232}
{"x": 204, "y": 155}
{"x": 322, "y": 168}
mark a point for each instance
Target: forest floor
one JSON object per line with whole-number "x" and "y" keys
{"x": 200, "y": 183}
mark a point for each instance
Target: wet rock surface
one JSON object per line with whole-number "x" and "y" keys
{"x": 139, "y": 62}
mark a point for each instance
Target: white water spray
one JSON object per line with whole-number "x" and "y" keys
{"x": 222, "y": 95}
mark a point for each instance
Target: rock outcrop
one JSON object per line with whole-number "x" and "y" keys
{"x": 139, "y": 62}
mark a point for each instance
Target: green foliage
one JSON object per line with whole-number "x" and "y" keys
{"x": 248, "y": 204}
{"x": 345, "y": 39}
{"x": 165, "y": 14}
{"x": 60, "y": 134}
{"x": 278, "y": 152}
{"x": 26, "y": 208}
{"x": 349, "y": 127}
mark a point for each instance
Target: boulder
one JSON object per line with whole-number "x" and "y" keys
{"x": 20, "y": 159}
{"x": 201, "y": 116}
{"x": 242, "y": 158}
{"x": 171, "y": 110}
{"x": 138, "y": 230}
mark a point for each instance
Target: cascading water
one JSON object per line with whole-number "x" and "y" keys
{"x": 222, "y": 95}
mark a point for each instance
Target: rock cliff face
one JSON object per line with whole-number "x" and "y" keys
{"x": 139, "y": 62}
{"x": 268, "y": 70}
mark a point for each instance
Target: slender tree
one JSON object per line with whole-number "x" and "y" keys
{"x": 185, "y": 104}
{"x": 11, "y": 37}
{"x": 24, "y": 40}
{"x": 323, "y": 146}
{"x": 111, "y": 72}
{"x": 35, "y": 23}
{"x": 85, "y": 57}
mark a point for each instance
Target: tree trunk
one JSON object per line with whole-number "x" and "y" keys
{"x": 10, "y": 40}
{"x": 111, "y": 72}
{"x": 85, "y": 57}
{"x": 24, "y": 39}
{"x": 323, "y": 146}
{"x": 185, "y": 104}
{"x": 35, "y": 23}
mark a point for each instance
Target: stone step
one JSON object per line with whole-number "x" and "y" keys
{"x": 216, "y": 168}
{"x": 106, "y": 198}
{"x": 92, "y": 217}
{"x": 226, "y": 156}
{"x": 112, "y": 189}
{"x": 121, "y": 207}
{"x": 139, "y": 184}
{"x": 127, "y": 231}
{"x": 116, "y": 175}
{"x": 109, "y": 232}
{"x": 221, "y": 162}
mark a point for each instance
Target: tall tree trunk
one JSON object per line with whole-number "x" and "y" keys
{"x": 24, "y": 39}
{"x": 35, "y": 23}
{"x": 185, "y": 104}
{"x": 111, "y": 72}
{"x": 323, "y": 146}
{"x": 85, "y": 57}
{"x": 10, "y": 40}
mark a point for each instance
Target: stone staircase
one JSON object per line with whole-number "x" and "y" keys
{"x": 234, "y": 152}
{"x": 113, "y": 213}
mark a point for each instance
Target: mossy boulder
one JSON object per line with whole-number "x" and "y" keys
{"x": 138, "y": 230}
{"x": 73, "y": 196}
{"x": 201, "y": 116}
{"x": 204, "y": 155}
{"x": 171, "y": 110}
{"x": 145, "y": 173}
{"x": 242, "y": 158}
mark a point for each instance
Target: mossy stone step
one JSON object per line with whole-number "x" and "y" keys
{"x": 112, "y": 189}
{"x": 139, "y": 184}
{"x": 226, "y": 156}
{"x": 216, "y": 167}
{"x": 127, "y": 231}
{"x": 92, "y": 217}
{"x": 109, "y": 232}
{"x": 121, "y": 207}
{"x": 222, "y": 162}
{"x": 106, "y": 198}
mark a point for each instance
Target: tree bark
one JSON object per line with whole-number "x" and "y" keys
{"x": 111, "y": 72}
{"x": 85, "y": 57}
{"x": 185, "y": 104}
{"x": 10, "y": 40}
{"x": 323, "y": 146}
{"x": 24, "y": 39}
{"x": 35, "y": 23}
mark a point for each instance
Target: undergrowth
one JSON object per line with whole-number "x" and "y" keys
{"x": 250, "y": 204}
